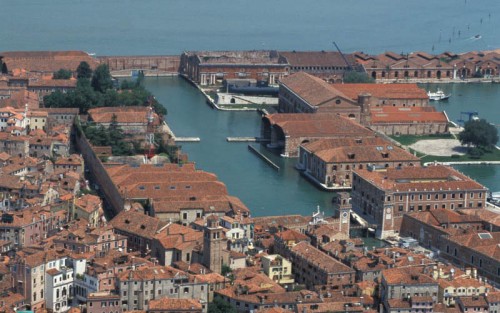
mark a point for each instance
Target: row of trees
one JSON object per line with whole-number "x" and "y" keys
{"x": 96, "y": 89}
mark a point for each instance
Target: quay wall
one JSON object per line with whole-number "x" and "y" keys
{"x": 150, "y": 63}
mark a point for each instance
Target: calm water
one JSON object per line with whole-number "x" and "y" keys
{"x": 126, "y": 27}
{"x": 264, "y": 190}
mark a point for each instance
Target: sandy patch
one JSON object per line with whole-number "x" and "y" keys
{"x": 439, "y": 147}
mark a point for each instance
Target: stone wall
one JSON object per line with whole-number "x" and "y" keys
{"x": 410, "y": 128}
{"x": 163, "y": 63}
{"x": 112, "y": 196}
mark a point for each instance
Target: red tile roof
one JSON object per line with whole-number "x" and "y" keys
{"x": 317, "y": 125}
{"x": 437, "y": 177}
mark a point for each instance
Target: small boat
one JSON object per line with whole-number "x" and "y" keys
{"x": 438, "y": 95}
{"x": 477, "y": 37}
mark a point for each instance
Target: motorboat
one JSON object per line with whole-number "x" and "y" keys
{"x": 438, "y": 95}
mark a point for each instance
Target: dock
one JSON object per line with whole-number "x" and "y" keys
{"x": 246, "y": 139}
{"x": 263, "y": 157}
{"x": 187, "y": 139}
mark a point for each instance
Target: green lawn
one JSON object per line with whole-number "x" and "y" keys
{"x": 407, "y": 140}
{"x": 494, "y": 155}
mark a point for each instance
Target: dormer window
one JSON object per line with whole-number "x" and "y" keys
{"x": 351, "y": 156}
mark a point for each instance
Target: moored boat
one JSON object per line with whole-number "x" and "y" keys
{"x": 438, "y": 95}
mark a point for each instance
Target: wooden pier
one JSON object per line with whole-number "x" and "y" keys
{"x": 263, "y": 157}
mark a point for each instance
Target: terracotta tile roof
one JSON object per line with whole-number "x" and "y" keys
{"x": 45, "y": 256}
{"x": 331, "y": 143}
{"x": 484, "y": 215}
{"x": 124, "y": 115}
{"x": 474, "y": 301}
{"x": 317, "y": 125}
{"x": 319, "y": 258}
{"x": 483, "y": 242}
{"x": 46, "y": 61}
{"x": 137, "y": 223}
{"x": 399, "y": 304}
{"x": 53, "y": 272}
{"x": 19, "y": 98}
{"x": 366, "y": 153}
{"x": 169, "y": 304}
{"x": 388, "y": 114}
{"x": 150, "y": 273}
{"x": 74, "y": 159}
{"x": 215, "y": 203}
{"x": 383, "y": 91}
{"x": 311, "y": 89}
{"x": 493, "y": 297}
{"x": 175, "y": 236}
{"x": 211, "y": 278}
{"x": 291, "y": 235}
{"x": 52, "y": 83}
{"x": 88, "y": 203}
{"x": 316, "y": 58}
{"x": 437, "y": 177}
{"x": 407, "y": 276}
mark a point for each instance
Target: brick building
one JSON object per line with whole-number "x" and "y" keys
{"x": 304, "y": 93}
{"x": 313, "y": 267}
{"x": 478, "y": 249}
{"x": 429, "y": 227}
{"x": 286, "y": 131}
{"x": 400, "y": 67}
{"x": 212, "y": 67}
{"x": 386, "y": 195}
{"x": 139, "y": 229}
{"x": 388, "y": 108}
{"x": 131, "y": 119}
{"x": 330, "y": 162}
{"x": 139, "y": 286}
{"x": 103, "y": 302}
{"x": 46, "y": 62}
{"x": 328, "y": 65}
{"x": 407, "y": 283}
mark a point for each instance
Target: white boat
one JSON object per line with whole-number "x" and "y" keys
{"x": 438, "y": 95}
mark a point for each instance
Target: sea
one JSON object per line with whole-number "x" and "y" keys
{"x": 169, "y": 27}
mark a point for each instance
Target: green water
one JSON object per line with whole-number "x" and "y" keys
{"x": 264, "y": 190}
{"x": 267, "y": 191}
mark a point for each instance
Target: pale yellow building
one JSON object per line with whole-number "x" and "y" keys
{"x": 37, "y": 120}
{"x": 278, "y": 268}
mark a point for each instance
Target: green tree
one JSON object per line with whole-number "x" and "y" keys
{"x": 62, "y": 74}
{"x": 83, "y": 70}
{"x": 220, "y": 306}
{"x": 101, "y": 79}
{"x": 4, "y": 67}
{"x": 479, "y": 133}
{"x": 357, "y": 78}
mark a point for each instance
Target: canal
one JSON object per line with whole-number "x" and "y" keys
{"x": 263, "y": 189}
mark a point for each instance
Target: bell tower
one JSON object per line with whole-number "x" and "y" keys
{"x": 342, "y": 208}
{"x": 213, "y": 243}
